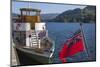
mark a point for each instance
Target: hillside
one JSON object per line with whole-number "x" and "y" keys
{"x": 87, "y": 15}
{"x": 48, "y": 17}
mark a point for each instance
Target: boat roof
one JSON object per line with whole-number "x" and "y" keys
{"x": 30, "y": 9}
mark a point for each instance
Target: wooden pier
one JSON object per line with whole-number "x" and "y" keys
{"x": 14, "y": 57}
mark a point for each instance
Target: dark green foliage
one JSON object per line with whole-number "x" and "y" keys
{"x": 86, "y": 15}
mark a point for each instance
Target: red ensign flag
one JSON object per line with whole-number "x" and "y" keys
{"x": 73, "y": 46}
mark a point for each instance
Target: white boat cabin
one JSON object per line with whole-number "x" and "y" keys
{"x": 25, "y": 36}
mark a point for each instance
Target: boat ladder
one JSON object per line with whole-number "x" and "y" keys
{"x": 34, "y": 40}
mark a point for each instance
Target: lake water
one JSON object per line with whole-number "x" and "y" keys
{"x": 60, "y": 32}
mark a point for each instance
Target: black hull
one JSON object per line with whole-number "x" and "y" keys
{"x": 26, "y": 58}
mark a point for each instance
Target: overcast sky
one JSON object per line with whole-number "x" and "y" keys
{"x": 44, "y": 7}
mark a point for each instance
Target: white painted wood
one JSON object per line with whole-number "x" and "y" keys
{"x": 40, "y": 26}
{"x": 21, "y": 26}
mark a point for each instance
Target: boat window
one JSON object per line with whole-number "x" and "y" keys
{"x": 32, "y": 13}
{"x": 24, "y": 13}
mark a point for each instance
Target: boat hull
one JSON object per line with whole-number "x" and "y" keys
{"x": 26, "y": 58}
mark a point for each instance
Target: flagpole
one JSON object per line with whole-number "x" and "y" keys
{"x": 84, "y": 41}
{"x": 83, "y": 38}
